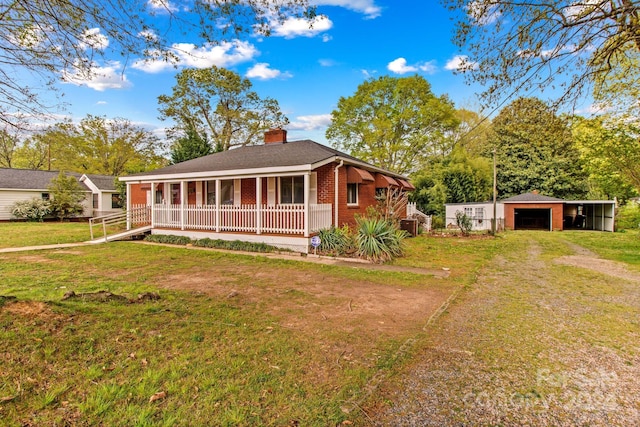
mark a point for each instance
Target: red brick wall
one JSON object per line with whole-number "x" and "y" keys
{"x": 137, "y": 195}
{"x": 325, "y": 177}
{"x": 248, "y": 187}
{"x": 556, "y": 213}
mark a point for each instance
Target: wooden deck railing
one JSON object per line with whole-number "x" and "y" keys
{"x": 277, "y": 219}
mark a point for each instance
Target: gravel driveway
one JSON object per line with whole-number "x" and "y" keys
{"x": 538, "y": 340}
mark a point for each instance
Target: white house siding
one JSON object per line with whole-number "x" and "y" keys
{"x": 481, "y": 214}
{"x": 8, "y": 197}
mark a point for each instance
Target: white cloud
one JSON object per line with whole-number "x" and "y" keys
{"x": 101, "y": 103}
{"x": 366, "y": 7}
{"x": 327, "y": 62}
{"x": 326, "y": 38}
{"x": 399, "y": 66}
{"x": 188, "y": 55}
{"x": 94, "y": 39}
{"x": 262, "y": 71}
{"x": 483, "y": 12}
{"x": 298, "y": 27}
{"x": 460, "y": 63}
{"x": 99, "y": 78}
{"x": 311, "y": 122}
{"x": 162, "y": 5}
{"x": 582, "y": 9}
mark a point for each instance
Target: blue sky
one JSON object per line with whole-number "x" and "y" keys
{"x": 305, "y": 70}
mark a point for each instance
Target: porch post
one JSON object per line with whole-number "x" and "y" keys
{"x": 258, "y": 204}
{"x": 128, "y": 205}
{"x": 218, "y": 186}
{"x": 183, "y": 195}
{"x": 153, "y": 204}
{"x": 307, "y": 189}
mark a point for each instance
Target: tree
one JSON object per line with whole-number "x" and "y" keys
{"x": 472, "y": 132}
{"x": 564, "y": 44}
{"x": 457, "y": 178}
{"x": 8, "y": 145}
{"x": 95, "y": 145}
{"x": 46, "y": 39}
{"x": 611, "y": 156}
{"x": 190, "y": 146}
{"x": 535, "y": 151}
{"x": 116, "y": 146}
{"x": 394, "y": 123}
{"x": 221, "y": 106}
{"x": 66, "y": 196}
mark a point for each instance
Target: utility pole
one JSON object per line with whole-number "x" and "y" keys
{"x": 495, "y": 194}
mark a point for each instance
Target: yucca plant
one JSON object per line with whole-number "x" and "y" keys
{"x": 378, "y": 239}
{"x": 335, "y": 241}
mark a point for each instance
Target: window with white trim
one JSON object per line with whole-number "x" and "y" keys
{"x": 292, "y": 189}
{"x": 226, "y": 192}
{"x": 479, "y": 215}
{"x": 468, "y": 212}
{"x": 352, "y": 194}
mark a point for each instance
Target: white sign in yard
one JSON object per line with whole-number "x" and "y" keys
{"x": 315, "y": 241}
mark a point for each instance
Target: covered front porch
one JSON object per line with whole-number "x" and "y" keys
{"x": 286, "y": 204}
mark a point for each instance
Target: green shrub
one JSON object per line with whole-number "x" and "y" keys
{"x": 235, "y": 245}
{"x": 336, "y": 241}
{"x": 31, "y": 210}
{"x": 379, "y": 240}
{"x": 628, "y": 216}
{"x": 172, "y": 240}
{"x": 463, "y": 222}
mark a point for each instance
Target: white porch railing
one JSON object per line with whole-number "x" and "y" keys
{"x": 278, "y": 219}
{"x": 413, "y": 211}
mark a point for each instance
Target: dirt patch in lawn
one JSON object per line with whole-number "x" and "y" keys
{"x": 30, "y": 309}
{"x": 306, "y": 303}
{"x": 604, "y": 266}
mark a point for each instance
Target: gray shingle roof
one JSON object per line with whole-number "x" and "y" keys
{"x": 293, "y": 153}
{"x": 29, "y": 179}
{"x": 103, "y": 182}
{"x": 531, "y": 197}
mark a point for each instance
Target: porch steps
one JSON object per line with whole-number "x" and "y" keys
{"x": 123, "y": 235}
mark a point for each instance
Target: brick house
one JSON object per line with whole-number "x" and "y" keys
{"x": 279, "y": 193}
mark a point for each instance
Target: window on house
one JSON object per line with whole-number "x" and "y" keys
{"x": 95, "y": 200}
{"x": 352, "y": 194}
{"x": 175, "y": 194}
{"x": 158, "y": 196}
{"x": 45, "y": 197}
{"x": 468, "y": 212}
{"x": 116, "y": 201}
{"x": 479, "y": 215}
{"x": 211, "y": 192}
{"x": 226, "y": 192}
{"x": 292, "y": 189}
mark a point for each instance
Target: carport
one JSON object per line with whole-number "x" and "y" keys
{"x": 589, "y": 215}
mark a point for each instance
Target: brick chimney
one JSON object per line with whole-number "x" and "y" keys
{"x": 275, "y": 136}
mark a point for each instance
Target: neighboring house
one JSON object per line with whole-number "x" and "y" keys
{"x": 533, "y": 211}
{"x": 480, "y": 213}
{"x": 25, "y": 184}
{"x": 279, "y": 193}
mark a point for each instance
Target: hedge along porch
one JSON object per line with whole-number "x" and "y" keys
{"x": 279, "y": 193}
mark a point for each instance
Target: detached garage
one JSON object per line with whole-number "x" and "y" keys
{"x": 532, "y": 211}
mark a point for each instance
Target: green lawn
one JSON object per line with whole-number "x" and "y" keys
{"x": 16, "y": 234}
{"x": 233, "y": 339}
